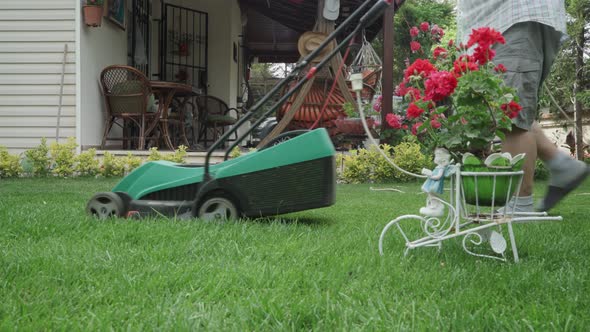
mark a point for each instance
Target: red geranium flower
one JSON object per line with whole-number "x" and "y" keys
{"x": 435, "y": 124}
{"x": 463, "y": 65}
{"x": 485, "y": 37}
{"x": 413, "y": 111}
{"x": 451, "y": 42}
{"x": 415, "y": 128}
{"x": 440, "y": 85}
{"x": 420, "y": 67}
{"x": 511, "y": 109}
{"x": 394, "y": 120}
{"x": 437, "y": 32}
{"x": 414, "y": 93}
{"x": 500, "y": 68}
{"x": 424, "y": 26}
{"x": 415, "y": 46}
{"x": 439, "y": 51}
{"x": 483, "y": 55}
{"x": 414, "y": 32}
{"x": 377, "y": 107}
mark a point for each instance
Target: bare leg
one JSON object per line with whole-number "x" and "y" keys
{"x": 545, "y": 149}
{"x": 522, "y": 141}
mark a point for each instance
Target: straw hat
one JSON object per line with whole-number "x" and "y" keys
{"x": 309, "y": 41}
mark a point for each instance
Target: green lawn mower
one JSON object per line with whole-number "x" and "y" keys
{"x": 293, "y": 172}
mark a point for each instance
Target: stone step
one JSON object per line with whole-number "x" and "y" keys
{"x": 191, "y": 157}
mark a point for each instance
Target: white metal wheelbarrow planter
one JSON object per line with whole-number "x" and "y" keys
{"x": 480, "y": 224}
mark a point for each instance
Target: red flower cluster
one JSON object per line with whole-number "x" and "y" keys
{"x": 420, "y": 67}
{"x": 437, "y": 32}
{"x": 511, "y": 109}
{"x": 414, "y": 32}
{"x": 438, "y": 52}
{"x": 500, "y": 68}
{"x": 440, "y": 85}
{"x": 415, "y": 46}
{"x": 464, "y": 64}
{"x": 424, "y": 26}
{"x": 413, "y": 111}
{"x": 485, "y": 38}
{"x": 395, "y": 121}
{"x": 415, "y": 128}
{"x": 434, "y": 122}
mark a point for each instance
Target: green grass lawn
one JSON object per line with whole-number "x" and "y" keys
{"x": 317, "y": 269}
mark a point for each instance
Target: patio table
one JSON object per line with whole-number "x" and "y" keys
{"x": 165, "y": 92}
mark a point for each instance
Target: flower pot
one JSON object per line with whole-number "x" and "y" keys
{"x": 479, "y": 189}
{"x": 488, "y": 190}
{"x": 92, "y": 15}
{"x": 352, "y": 126}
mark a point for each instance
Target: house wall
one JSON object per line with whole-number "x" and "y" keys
{"x": 32, "y": 38}
{"x": 224, "y": 29}
{"x": 99, "y": 47}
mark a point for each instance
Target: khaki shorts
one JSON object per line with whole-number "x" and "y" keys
{"x": 528, "y": 54}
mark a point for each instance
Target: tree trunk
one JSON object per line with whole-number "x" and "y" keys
{"x": 578, "y": 85}
{"x": 387, "y": 76}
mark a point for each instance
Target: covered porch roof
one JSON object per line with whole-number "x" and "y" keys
{"x": 273, "y": 27}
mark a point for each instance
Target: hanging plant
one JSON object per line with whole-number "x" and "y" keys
{"x": 92, "y": 10}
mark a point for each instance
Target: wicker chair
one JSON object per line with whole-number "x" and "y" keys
{"x": 127, "y": 92}
{"x": 213, "y": 118}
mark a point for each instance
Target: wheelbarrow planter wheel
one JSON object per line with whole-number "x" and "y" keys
{"x": 217, "y": 208}
{"x": 105, "y": 205}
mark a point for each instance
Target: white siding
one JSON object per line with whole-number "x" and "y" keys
{"x": 32, "y": 38}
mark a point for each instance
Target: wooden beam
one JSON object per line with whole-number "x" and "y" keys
{"x": 387, "y": 78}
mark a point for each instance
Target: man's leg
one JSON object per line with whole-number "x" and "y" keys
{"x": 566, "y": 173}
{"x": 523, "y": 141}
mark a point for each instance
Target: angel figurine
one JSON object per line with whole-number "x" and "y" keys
{"x": 433, "y": 186}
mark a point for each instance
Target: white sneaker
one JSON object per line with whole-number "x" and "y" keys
{"x": 524, "y": 204}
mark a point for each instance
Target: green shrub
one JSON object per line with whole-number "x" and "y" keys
{"x": 87, "y": 164}
{"x": 357, "y": 166}
{"x": 177, "y": 156}
{"x": 112, "y": 166}
{"x": 9, "y": 164}
{"x": 131, "y": 162}
{"x": 38, "y": 159}
{"x": 63, "y": 157}
{"x": 407, "y": 156}
{"x": 541, "y": 171}
{"x": 368, "y": 165}
{"x": 235, "y": 152}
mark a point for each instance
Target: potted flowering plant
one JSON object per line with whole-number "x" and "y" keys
{"x": 351, "y": 124}
{"x": 92, "y": 10}
{"x": 456, "y": 97}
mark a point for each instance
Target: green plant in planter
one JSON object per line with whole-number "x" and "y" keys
{"x": 92, "y": 10}
{"x": 456, "y": 99}
{"x": 97, "y": 3}
{"x": 490, "y": 189}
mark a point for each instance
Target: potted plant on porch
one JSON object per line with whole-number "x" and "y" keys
{"x": 456, "y": 99}
{"x": 92, "y": 10}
